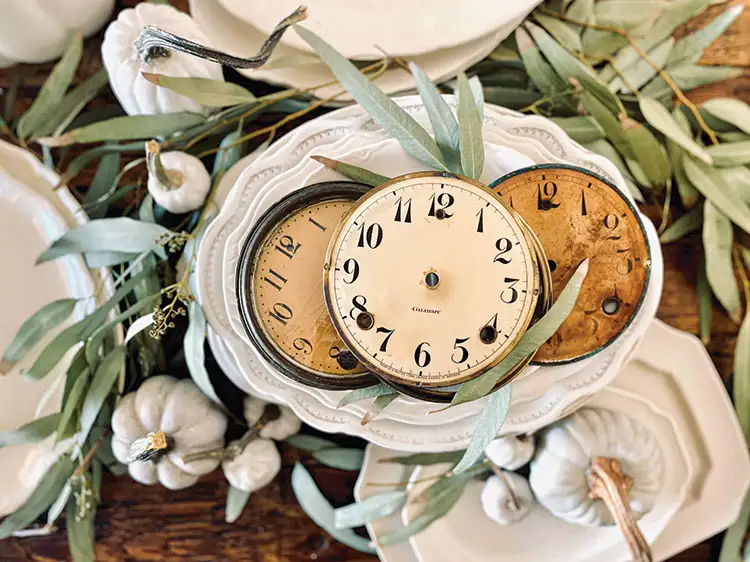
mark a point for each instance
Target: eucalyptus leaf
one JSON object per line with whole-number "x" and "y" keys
{"x": 57, "y": 507}
{"x": 581, "y": 129}
{"x": 72, "y": 104}
{"x": 425, "y": 459}
{"x": 194, "y": 341}
{"x": 477, "y": 90}
{"x": 643, "y": 70}
{"x": 732, "y": 136}
{"x": 120, "y": 234}
{"x": 607, "y": 121}
{"x": 102, "y": 383}
{"x": 85, "y": 159}
{"x": 71, "y": 404}
{"x": 95, "y": 260}
{"x": 734, "y": 538}
{"x": 229, "y": 155}
{"x": 369, "y": 509}
{"x": 31, "y": 332}
{"x": 32, "y": 432}
{"x": 236, "y": 502}
{"x": 442, "y": 119}
{"x": 659, "y": 118}
{"x": 378, "y": 405}
{"x": 690, "y": 49}
{"x": 730, "y": 110}
{"x": 563, "y": 32}
{"x": 488, "y": 426}
{"x": 638, "y": 173}
{"x": 739, "y": 178}
{"x": 108, "y": 169}
{"x": 45, "y": 493}
{"x": 624, "y": 13}
{"x": 705, "y": 304}
{"x": 410, "y": 134}
{"x": 532, "y": 339}
{"x": 52, "y": 92}
{"x": 687, "y": 77}
{"x": 608, "y": 151}
{"x": 674, "y": 15}
{"x": 127, "y": 128}
{"x": 80, "y": 528}
{"x": 540, "y": 72}
{"x": 648, "y": 152}
{"x": 321, "y": 512}
{"x": 208, "y": 92}
{"x": 512, "y": 98}
{"x": 470, "y": 130}
{"x": 688, "y": 194}
{"x": 730, "y": 153}
{"x": 352, "y": 172}
{"x": 581, "y": 10}
{"x": 327, "y": 452}
{"x": 741, "y": 378}
{"x": 310, "y": 443}
{"x": 374, "y": 391}
{"x": 598, "y": 43}
{"x": 717, "y": 243}
{"x": 690, "y": 222}
{"x": 138, "y": 326}
{"x": 503, "y": 53}
{"x": 714, "y": 188}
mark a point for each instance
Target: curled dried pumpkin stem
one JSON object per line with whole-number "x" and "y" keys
{"x": 171, "y": 179}
{"x": 156, "y": 43}
{"x": 608, "y": 483}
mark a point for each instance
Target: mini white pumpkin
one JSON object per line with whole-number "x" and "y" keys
{"x": 124, "y": 65}
{"x": 506, "y": 498}
{"x": 34, "y": 31}
{"x": 190, "y": 422}
{"x": 255, "y": 467}
{"x": 286, "y": 425}
{"x": 560, "y": 470}
{"x": 512, "y": 452}
{"x": 177, "y": 181}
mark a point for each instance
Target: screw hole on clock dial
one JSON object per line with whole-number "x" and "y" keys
{"x": 611, "y": 305}
{"x": 346, "y": 360}
{"x": 552, "y": 265}
{"x": 365, "y": 320}
{"x": 432, "y": 280}
{"x": 488, "y": 334}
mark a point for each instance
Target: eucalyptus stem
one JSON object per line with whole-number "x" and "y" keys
{"x": 156, "y": 43}
{"x": 533, "y": 106}
{"x": 644, "y": 55}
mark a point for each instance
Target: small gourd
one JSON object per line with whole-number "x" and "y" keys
{"x": 255, "y": 467}
{"x": 599, "y": 467}
{"x": 506, "y": 497}
{"x": 125, "y": 65}
{"x": 157, "y": 428}
{"x": 178, "y": 182}
{"x": 511, "y": 452}
{"x": 285, "y": 425}
{"x": 35, "y": 31}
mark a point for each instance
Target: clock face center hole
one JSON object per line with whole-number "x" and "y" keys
{"x": 432, "y": 279}
{"x": 488, "y": 334}
{"x": 611, "y": 306}
{"x": 365, "y": 320}
{"x": 440, "y": 214}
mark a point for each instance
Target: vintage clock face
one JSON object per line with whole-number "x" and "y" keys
{"x": 576, "y": 215}
{"x": 280, "y": 287}
{"x": 431, "y": 280}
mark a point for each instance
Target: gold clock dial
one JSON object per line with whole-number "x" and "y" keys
{"x": 577, "y": 215}
{"x": 281, "y": 293}
{"x": 431, "y": 280}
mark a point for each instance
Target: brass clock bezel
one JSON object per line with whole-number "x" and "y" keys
{"x": 271, "y": 219}
{"x": 633, "y": 210}
{"x": 329, "y": 268}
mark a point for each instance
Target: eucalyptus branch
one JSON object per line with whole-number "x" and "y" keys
{"x": 90, "y": 456}
{"x": 644, "y": 55}
{"x": 154, "y": 43}
{"x": 533, "y": 106}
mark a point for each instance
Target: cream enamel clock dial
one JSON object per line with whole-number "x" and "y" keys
{"x": 430, "y": 279}
{"x": 280, "y": 288}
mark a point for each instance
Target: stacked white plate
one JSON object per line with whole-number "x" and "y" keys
{"x": 33, "y": 213}
{"x": 541, "y": 395}
{"x": 679, "y": 396}
{"x": 442, "y": 37}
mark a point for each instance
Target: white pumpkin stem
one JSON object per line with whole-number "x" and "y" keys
{"x": 170, "y": 179}
{"x": 512, "y": 498}
{"x": 609, "y": 484}
{"x": 148, "y": 447}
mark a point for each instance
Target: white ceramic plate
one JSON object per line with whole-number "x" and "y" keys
{"x": 55, "y": 211}
{"x": 672, "y": 370}
{"x": 466, "y": 533}
{"x": 229, "y": 34}
{"x": 398, "y": 27}
{"x": 538, "y": 400}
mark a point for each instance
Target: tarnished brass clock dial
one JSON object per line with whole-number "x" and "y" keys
{"x": 280, "y": 287}
{"x": 577, "y": 214}
{"x": 431, "y": 280}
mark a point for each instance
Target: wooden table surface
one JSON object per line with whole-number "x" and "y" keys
{"x": 136, "y": 522}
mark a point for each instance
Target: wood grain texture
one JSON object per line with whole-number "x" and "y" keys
{"x": 135, "y": 522}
